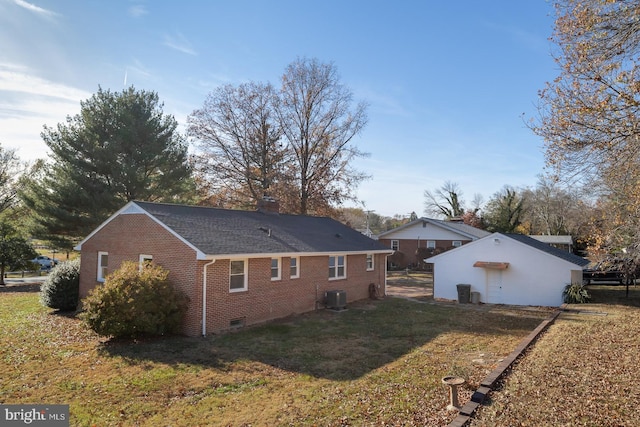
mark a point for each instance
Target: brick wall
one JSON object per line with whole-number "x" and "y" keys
{"x": 265, "y": 299}
{"x": 408, "y": 248}
{"x": 127, "y": 236}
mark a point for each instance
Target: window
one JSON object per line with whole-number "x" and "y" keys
{"x": 275, "y": 268}
{"x": 144, "y": 260}
{"x": 395, "y": 244}
{"x": 294, "y": 269}
{"x": 238, "y": 276}
{"x": 337, "y": 268}
{"x": 456, "y": 243}
{"x": 103, "y": 265}
{"x": 431, "y": 244}
{"x": 369, "y": 262}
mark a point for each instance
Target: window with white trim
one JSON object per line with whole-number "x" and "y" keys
{"x": 337, "y": 267}
{"x": 395, "y": 244}
{"x": 275, "y": 268}
{"x": 238, "y": 275}
{"x": 456, "y": 243}
{"x": 103, "y": 265}
{"x": 294, "y": 267}
{"x": 369, "y": 262}
{"x": 431, "y": 244}
{"x": 144, "y": 260}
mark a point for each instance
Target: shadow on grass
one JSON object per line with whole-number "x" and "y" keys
{"x": 334, "y": 345}
{"x": 21, "y": 287}
{"x": 615, "y": 294}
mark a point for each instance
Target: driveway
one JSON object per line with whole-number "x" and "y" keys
{"x": 409, "y": 285}
{"x": 24, "y": 284}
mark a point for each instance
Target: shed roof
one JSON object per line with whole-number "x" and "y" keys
{"x": 533, "y": 243}
{"x": 545, "y": 247}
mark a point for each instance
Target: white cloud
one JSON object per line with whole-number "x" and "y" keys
{"x": 36, "y": 9}
{"x": 27, "y": 102}
{"x": 14, "y": 78}
{"x": 180, "y": 43}
{"x": 137, "y": 11}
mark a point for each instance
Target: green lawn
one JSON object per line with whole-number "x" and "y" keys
{"x": 377, "y": 363}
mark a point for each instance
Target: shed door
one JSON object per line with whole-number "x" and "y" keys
{"x": 494, "y": 286}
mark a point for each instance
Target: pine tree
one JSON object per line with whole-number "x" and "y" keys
{"x": 121, "y": 147}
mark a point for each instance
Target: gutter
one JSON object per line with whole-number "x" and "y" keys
{"x": 204, "y": 298}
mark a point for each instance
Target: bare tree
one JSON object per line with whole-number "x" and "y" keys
{"x": 445, "y": 201}
{"x": 10, "y": 171}
{"x": 319, "y": 124}
{"x": 590, "y": 114}
{"x": 241, "y": 155}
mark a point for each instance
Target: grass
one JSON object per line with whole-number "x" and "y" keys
{"x": 377, "y": 363}
{"x": 581, "y": 372}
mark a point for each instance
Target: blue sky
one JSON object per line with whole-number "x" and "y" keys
{"x": 447, "y": 82}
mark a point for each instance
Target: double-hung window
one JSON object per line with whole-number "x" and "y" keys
{"x": 294, "y": 267}
{"x": 369, "y": 262}
{"x": 395, "y": 244}
{"x": 238, "y": 275}
{"x": 103, "y": 265}
{"x": 431, "y": 244}
{"x": 275, "y": 268}
{"x": 337, "y": 267}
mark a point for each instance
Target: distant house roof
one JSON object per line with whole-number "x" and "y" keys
{"x": 553, "y": 240}
{"x": 545, "y": 247}
{"x": 461, "y": 228}
{"x": 214, "y": 231}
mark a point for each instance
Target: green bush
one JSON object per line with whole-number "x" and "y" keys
{"x": 575, "y": 293}
{"x": 61, "y": 287}
{"x": 134, "y": 302}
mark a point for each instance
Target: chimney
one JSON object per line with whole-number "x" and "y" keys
{"x": 268, "y": 205}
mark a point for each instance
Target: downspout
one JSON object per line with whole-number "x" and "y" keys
{"x": 204, "y": 298}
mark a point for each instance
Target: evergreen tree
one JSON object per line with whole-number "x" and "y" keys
{"x": 121, "y": 147}
{"x": 504, "y": 211}
{"x": 15, "y": 251}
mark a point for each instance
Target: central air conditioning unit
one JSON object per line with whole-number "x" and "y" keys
{"x": 336, "y": 300}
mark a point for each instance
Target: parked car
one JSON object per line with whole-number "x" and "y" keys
{"x": 45, "y": 262}
{"x": 602, "y": 272}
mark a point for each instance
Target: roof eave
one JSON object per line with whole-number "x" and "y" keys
{"x": 290, "y": 254}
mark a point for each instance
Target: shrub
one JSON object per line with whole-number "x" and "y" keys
{"x": 575, "y": 293}
{"x": 61, "y": 287}
{"x": 134, "y": 302}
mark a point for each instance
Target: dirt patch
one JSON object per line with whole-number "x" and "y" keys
{"x": 415, "y": 285}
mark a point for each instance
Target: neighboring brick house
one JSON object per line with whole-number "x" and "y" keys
{"x": 425, "y": 237}
{"x": 237, "y": 267}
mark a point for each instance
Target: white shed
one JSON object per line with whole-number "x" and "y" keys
{"x": 507, "y": 269}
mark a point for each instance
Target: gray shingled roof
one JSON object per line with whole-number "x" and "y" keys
{"x": 224, "y": 231}
{"x": 545, "y": 247}
{"x": 455, "y": 226}
{"x": 460, "y": 227}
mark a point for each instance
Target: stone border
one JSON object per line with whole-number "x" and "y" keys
{"x": 481, "y": 393}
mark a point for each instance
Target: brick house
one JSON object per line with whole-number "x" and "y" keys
{"x": 237, "y": 267}
{"x": 425, "y": 237}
